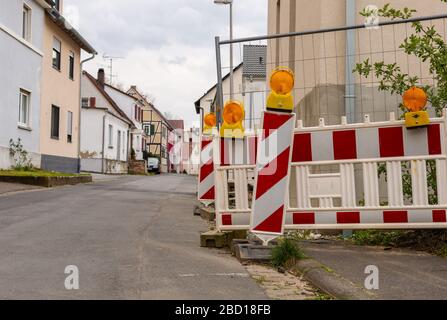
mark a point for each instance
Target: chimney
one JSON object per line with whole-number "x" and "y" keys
{"x": 101, "y": 77}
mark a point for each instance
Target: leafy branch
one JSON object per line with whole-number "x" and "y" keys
{"x": 427, "y": 45}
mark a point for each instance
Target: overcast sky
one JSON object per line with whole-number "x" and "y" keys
{"x": 167, "y": 45}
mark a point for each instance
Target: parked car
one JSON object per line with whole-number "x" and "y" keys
{"x": 153, "y": 165}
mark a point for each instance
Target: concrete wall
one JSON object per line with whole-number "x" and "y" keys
{"x": 95, "y": 128}
{"x": 59, "y": 90}
{"x": 20, "y": 65}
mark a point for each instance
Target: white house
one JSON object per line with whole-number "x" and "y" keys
{"x": 133, "y": 109}
{"x": 105, "y": 130}
{"x": 191, "y": 151}
{"x": 21, "y": 43}
{"x": 249, "y": 87}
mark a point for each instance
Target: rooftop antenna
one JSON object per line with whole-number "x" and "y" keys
{"x": 110, "y": 66}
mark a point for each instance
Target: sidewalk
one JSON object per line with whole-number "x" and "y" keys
{"x": 403, "y": 274}
{"x": 6, "y": 187}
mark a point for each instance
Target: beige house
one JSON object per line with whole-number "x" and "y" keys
{"x": 156, "y": 128}
{"x": 60, "y": 93}
{"x": 323, "y": 63}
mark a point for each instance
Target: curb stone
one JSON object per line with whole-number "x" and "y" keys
{"x": 330, "y": 282}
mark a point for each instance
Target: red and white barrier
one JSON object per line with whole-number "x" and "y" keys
{"x": 272, "y": 174}
{"x": 206, "y": 189}
{"x": 328, "y": 200}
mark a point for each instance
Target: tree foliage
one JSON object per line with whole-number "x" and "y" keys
{"x": 427, "y": 45}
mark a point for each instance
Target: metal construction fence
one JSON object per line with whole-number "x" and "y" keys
{"x": 323, "y": 62}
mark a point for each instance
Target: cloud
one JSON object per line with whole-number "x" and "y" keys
{"x": 167, "y": 46}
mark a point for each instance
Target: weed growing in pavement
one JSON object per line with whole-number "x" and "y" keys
{"x": 286, "y": 253}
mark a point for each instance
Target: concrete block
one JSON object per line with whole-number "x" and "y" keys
{"x": 236, "y": 242}
{"x": 208, "y": 213}
{"x": 196, "y": 210}
{"x": 214, "y": 239}
{"x": 253, "y": 252}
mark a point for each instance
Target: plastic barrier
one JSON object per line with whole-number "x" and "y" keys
{"x": 334, "y": 180}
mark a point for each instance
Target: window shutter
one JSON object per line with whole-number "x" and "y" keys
{"x": 136, "y": 113}
{"x": 92, "y": 102}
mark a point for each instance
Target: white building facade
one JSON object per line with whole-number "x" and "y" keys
{"x": 105, "y": 131}
{"x": 249, "y": 86}
{"x": 21, "y": 40}
{"x": 134, "y": 111}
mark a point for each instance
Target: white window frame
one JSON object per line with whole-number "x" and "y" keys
{"x": 70, "y": 126}
{"x": 110, "y": 136}
{"x": 26, "y": 124}
{"x": 57, "y": 47}
{"x": 26, "y": 22}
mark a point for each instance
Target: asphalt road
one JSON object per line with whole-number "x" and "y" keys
{"x": 402, "y": 274}
{"x": 131, "y": 238}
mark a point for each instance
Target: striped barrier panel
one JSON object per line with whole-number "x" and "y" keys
{"x": 206, "y": 189}
{"x": 272, "y": 175}
{"x": 334, "y": 180}
{"x": 231, "y": 152}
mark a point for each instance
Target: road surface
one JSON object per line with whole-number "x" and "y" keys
{"x": 130, "y": 238}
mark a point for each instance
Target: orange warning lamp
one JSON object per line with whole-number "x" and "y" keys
{"x": 210, "y": 122}
{"x": 282, "y": 82}
{"x": 233, "y": 115}
{"x": 415, "y": 100}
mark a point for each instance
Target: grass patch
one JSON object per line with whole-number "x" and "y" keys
{"x": 286, "y": 253}
{"x": 38, "y": 173}
{"x": 431, "y": 241}
{"x": 322, "y": 296}
{"x": 377, "y": 238}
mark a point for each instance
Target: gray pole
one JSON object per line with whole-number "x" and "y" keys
{"x": 350, "y": 63}
{"x": 231, "y": 52}
{"x": 219, "y": 93}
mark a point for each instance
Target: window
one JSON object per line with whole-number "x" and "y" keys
{"x": 137, "y": 114}
{"x": 149, "y": 129}
{"x": 56, "y": 54}
{"x": 85, "y": 102}
{"x": 24, "y": 108}
{"x": 70, "y": 127}
{"x": 71, "y": 61}
{"x": 110, "y": 136}
{"x": 55, "y": 113}
{"x": 26, "y": 23}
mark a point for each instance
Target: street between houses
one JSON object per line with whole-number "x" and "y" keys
{"x": 131, "y": 238}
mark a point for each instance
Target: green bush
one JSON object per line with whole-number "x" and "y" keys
{"x": 286, "y": 253}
